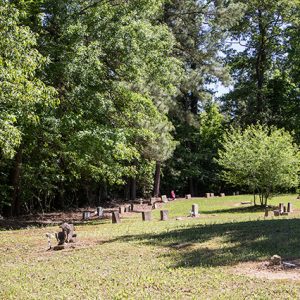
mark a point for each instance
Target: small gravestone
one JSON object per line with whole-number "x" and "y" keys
{"x": 115, "y": 217}
{"x": 66, "y": 235}
{"x": 207, "y": 195}
{"x": 233, "y": 193}
{"x": 127, "y": 208}
{"x": 212, "y": 195}
{"x": 195, "y": 210}
{"x": 289, "y": 207}
{"x": 222, "y": 195}
{"x": 276, "y": 213}
{"x": 237, "y": 193}
{"x": 164, "y": 198}
{"x": 146, "y": 215}
{"x": 100, "y": 211}
{"x": 188, "y": 196}
{"x": 1, "y": 218}
{"x": 266, "y": 213}
{"x": 284, "y": 208}
{"x": 164, "y": 215}
{"x": 86, "y": 215}
{"x": 281, "y": 207}
{"x": 121, "y": 209}
{"x": 132, "y": 207}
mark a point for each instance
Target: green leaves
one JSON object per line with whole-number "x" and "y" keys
{"x": 260, "y": 158}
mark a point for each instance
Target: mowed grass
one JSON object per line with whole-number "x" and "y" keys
{"x": 138, "y": 260}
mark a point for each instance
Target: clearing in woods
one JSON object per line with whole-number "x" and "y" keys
{"x": 220, "y": 255}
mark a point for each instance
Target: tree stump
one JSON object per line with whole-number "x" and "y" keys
{"x": 115, "y": 217}
{"x": 100, "y": 211}
{"x": 195, "y": 210}
{"x": 164, "y": 215}
{"x": 86, "y": 215}
{"x": 289, "y": 208}
{"x": 146, "y": 215}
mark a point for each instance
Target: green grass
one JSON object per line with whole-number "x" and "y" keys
{"x": 137, "y": 260}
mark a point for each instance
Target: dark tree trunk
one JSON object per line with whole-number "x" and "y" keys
{"x": 133, "y": 188}
{"x": 15, "y": 181}
{"x": 156, "y": 190}
{"x": 191, "y": 188}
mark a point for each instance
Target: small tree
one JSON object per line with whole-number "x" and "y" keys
{"x": 261, "y": 158}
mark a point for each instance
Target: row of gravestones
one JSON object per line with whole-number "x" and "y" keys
{"x": 282, "y": 210}
{"x": 146, "y": 216}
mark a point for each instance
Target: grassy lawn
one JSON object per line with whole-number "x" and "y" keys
{"x": 138, "y": 260}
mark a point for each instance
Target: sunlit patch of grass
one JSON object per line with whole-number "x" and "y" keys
{"x": 138, "y": 260}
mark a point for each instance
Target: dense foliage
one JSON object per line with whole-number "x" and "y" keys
{"x": 114, "y": 99}
{"x": 264, "y": 160}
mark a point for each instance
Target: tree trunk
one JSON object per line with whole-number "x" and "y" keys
{"x": 15, "y": 181}
{"x": 191, "y": 184}
{"x": 133, "y": 188}
{"x": 156, "y": 190}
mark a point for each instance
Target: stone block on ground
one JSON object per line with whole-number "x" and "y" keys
{"x": 164, "y": 215}
{"x": 100, "y": 211}
{"x": 281, "y": 207}
{"x": 188, "y": 196}
{"x": 146, "y": 215}
{"x": 121, "y": 209}
{"x": 164, "y": 198}
{"x": 276, "y": 213}
{"x": 195, "y": 210}
{"x": 222, "y": 195}
{"x": 212, "y": 195}
{"x": 207, "y": 195}
{"x": 86, "y": 215}
{"x": 116, "y": 217}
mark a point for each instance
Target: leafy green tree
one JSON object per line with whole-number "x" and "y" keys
{"x": 263, "y": 44}
{"x": 22, "y": 95}
{"x": 261, "y": 158}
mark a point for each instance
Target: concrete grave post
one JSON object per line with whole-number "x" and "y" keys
{"x": 100, "y": 211}
{"x": 146, "y": 215}
{"x": 86, "y": 215}
{"x": 195, "y": 210}
{"x": 116, "y": 217}
{"x": 164, "y": 215}
{"x": 289, "y": 208}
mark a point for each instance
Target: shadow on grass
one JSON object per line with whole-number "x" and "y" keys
{"x": 238, "y": 209}
{"x": 229, "y": 243}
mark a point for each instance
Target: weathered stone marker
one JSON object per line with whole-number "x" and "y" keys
{"x": 284, "y": 208}
{"x": 276, "y": 213}
{"x": 86, "y": 215}
{"x": 195, "y": 210}
{"x": 155, "y": 205}
{"x": 281, "y": 207}
{"x": 207, "y": 195}
{"x": 121, "y": 209}
{"x": 222, "y": 195}
{"x": 66, "y": 235}
{"x": 146, "y": 215}
{"x": 266, "y": 212}
{"x": 164, "y": 215}
{"x": 188, "y": 196}
{"x": 116, "y": 217}
{"x": 164, "y": 198}
{"x": 100, "y": 211}
{"x": 132, "y": 207}
{"x": 212, "y": 195}
{"x": 289, "y": 207}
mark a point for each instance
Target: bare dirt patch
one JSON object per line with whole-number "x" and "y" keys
{"x": 265, "y": 271}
